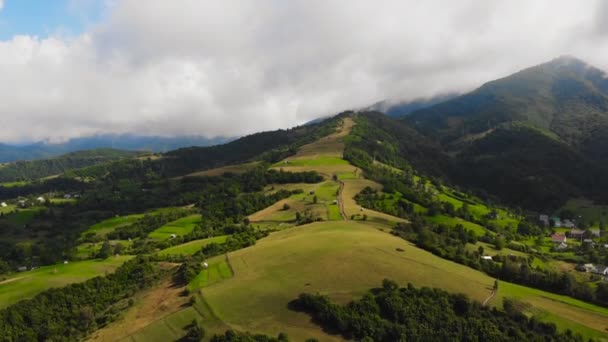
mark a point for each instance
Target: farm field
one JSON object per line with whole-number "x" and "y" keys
{"x": 27, "y": 284}
{"x": 239, "y": 168}
{"x": 364, "y": 256}
{"x": 24, "y": 216}
{"x": 179, "y": 227}
{"x": 453, "y": 221}
{"x": 189, "y": 248}
{"x": 218, "y": 270}
{"x": 104, "y": 227}
{"x": 8, "y": 209}
{"x": 88, "y": 249}
{"x": 354, "y": 186}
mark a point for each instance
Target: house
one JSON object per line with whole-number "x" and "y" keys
{"x": 576, "y": 233}
{"x": 589, "y": 268}
{"x": 67, "y": 196}
{"x": 595, "y": 232}
{"x": 557, "y": 222}
{"x": 589, "y": 241}
{"x": 65, "y": 262}
{"x": 3, "y": 205}
{"x": 22, "y": 268}
{"x": 558, "y": 238}
{"x": 40, "y": 199}
{"x": 601, "y": 270}
{"x": 205, "y": 265}
{"x": 22, "y": 203}
{"x": 173, "y": 236}
{"x": 486, "y": 257}
{"x": 562, "y": 246}
{"x": 335, "y": 201}
{"x": 568, "y": 224}
{"x": 544, "y": 219}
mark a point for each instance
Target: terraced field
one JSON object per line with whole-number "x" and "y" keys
{"x": 179, "y": 227}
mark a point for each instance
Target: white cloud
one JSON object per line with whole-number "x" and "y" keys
{"x": 234, "y": 67}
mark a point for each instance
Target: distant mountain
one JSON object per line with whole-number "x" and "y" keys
{"x": 42, "y": 150}
{"x": 36, "y": 169}
{"x": 403, "y": 108}
{"x": 565, "y": 96}
{"x": 535, "y": 138}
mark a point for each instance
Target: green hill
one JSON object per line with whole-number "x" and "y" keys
{"x": 36, "y": 169}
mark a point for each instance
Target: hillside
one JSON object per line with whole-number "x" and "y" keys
{"x": 36, "y": 169}
{"x": 565, "y": 96}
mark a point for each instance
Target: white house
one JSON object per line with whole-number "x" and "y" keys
{"x": 205, "y": 265}
{"x": 486, "y": 257}
{"x": 173, "y": 236}
{"x": 601, "y": 270}
{"x": 562, "y": 246}
{"x": 40, "y": 199}
{"x": 544, "y": 219}
{"x": 3, "y": 205}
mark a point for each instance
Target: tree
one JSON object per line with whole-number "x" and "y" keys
{"x": 194, "y": 332}
{"x": 105, "y": 251}
{"x": 315, "y": 199}
{"x": 286, "y": 206}
{"x": 499, "y": 243}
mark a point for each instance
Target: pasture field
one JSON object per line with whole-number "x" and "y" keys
{"x": 62, "y": 200}
{"x": 264, "y": 280}
{"x": 189, "y": 248}
{"x": 453, "y": 221}
{"x": 333, "y": 212}
{"x": 179, "y": 227}
{"x": 354, "y": 186}
{"x": 318, "y": 161}
{"x": 87, "y": 250}
{"x": 218, "y": 270}
{"x": 14, "y": 184}
{"x": 8, "y": 209}
{"x": 104, "y": 227}
{"x": 239, "y": 168}
{"x": 27, "y": 284}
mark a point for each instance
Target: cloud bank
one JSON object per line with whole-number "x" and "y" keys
{"x": 212, "y": 68}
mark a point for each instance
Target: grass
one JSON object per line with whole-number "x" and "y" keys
{"x": 239, "y": 168}
{"x": 62, "y": 200}
{"x": 333, "y": 212}
{"x": 14, "y": 184}
{"x": 8, "y": 209}
{"x": 343, "y": 260}
{"x": 318, "y": 161}
{"x": 104, "y": 227}
{"x": 88, "y": 250}
{"x": 192, "y": 247}
{"x": 453, "y": 221}
{"x": 27, "y": 284}
{"x": 217, "y": 271}
{"x": 179, "y": 227}
{"x": 354, "y": 186}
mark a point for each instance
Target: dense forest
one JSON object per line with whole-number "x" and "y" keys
{"x": 391, "y": 313}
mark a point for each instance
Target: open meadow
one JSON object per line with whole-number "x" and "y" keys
{"x": 179, "y": 227}
{"x": 27, "y": 284}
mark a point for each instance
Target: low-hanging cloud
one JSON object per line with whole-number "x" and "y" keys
{"x": 211, "y": 68}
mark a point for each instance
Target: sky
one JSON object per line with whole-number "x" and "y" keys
{"x": 74, "y": 68}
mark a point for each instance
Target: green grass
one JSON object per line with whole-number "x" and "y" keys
{"x": 327, "y": 191}
{"x": 8, "y": 209}
{"x": 333, "y": 212}
{"x": 217, "y": 271}
{"x": 27, "y": 284}
{"x": 453, "y": 221}
{"x": 347, "y": 175}
{"x": 14, "y": 184}
{"x": 192, "y": 247}
{"x": 318, "y": 161}
{"x": 62, "y": 200}
{"x": 104, "y": 227}
{"x": 179, "y": 227}
{"x": 344, "y": 259}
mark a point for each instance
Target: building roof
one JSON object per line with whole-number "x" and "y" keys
{"x": 558, "y": 238}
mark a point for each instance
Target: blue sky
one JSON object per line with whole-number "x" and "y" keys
{"x": 45, "y": 17}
